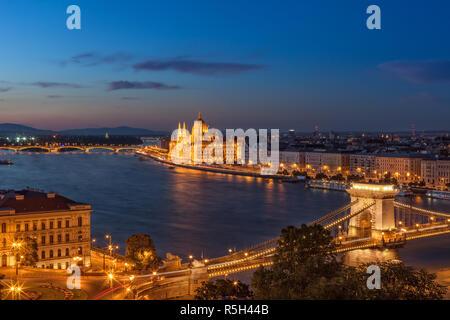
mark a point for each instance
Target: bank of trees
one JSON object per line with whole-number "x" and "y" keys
{"x": 223, "y": 289}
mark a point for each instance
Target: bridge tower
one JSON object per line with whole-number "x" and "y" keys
{"x": 378, "y": 218}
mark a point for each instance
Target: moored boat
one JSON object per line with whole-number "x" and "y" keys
{"x": 6, "y": 162}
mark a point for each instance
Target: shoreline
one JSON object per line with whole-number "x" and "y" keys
{"x": 211, "y": 169}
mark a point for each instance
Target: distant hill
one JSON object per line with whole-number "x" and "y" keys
{"x": 8, "y": 129}
{"x": 18, "y": 129}
{"x": 119, "y": 131}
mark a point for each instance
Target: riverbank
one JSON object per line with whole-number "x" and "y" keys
{"x": 213, "y": 169}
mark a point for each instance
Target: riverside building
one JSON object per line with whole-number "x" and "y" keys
{"x": 60, "y": 226}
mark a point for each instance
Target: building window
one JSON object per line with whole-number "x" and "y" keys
{"x": 67, "y": 237}
{"x": 43, "y": 240}
{"x": 80, "y": 236}
{"x": 34, "y": 226}
{"x": 51, "y": 224}
{"x": 43, "y": 255}
{"x": 59, "y": 265}
{"x": 59, "y": 224}
{"x": 3, "y": 227}
{"x": 51, "y": 239}
{"x": 80, "y": 221}
{"x": 4, "y": 242}
{"x": 26, "y": 226}
{"x": 59, "y": 252}
{"x": 50, "y": 254}
{"x": 67, "y": 265}
{"x": 43, "y": 225}
{"x": 67, "y": 224}
{"x": 17, "y": 227}
{"x": 67, "y": 252}
{"x": 80, "y": 250}
{"x": 59, "y": 238}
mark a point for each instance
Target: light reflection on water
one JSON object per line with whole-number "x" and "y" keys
{"x": 193, "y": 212}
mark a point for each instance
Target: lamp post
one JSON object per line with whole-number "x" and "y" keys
{"x": 190, "y": 273}
{"x": 111, "y": 277}
{"x": 16, "y": 249}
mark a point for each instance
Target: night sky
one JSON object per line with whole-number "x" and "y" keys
{"x": 259, "y": 64}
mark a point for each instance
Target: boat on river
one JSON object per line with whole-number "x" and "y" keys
{"x": 6, "y": 162}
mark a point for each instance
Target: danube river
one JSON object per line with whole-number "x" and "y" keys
{"x": 193, "y": 212}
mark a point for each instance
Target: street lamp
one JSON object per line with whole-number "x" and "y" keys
{"x": 111, "y": 277}
{"x": 16, "y": 246}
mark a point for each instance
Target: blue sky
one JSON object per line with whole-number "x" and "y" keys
{"x": 288, "y": 64}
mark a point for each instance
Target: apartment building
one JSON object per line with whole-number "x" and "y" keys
{"x": 60, "y": 226}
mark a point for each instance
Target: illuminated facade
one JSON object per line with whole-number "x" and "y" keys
{"x": 327, "y": 162}
{"x": 364, "y": 165}
{"x": 197, "y": 146}
{"x": 60, "y": 226}
{"x": 435, "y": 173}
{"x": 375, "y": 204}
{"x": 403, "y": 169}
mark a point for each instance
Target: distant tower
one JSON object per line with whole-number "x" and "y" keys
{"x": 107, "y": 136}
{"x": 413, "y": 130}
{"x": 316, "y": 130}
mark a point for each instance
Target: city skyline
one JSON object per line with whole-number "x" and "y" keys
{"x": 259, "y": 65}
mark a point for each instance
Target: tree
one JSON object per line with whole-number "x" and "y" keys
{"x": 27, "y": 252}
{"x": 321, "y": 176}
{"x": 222, "y": 289}
{"x": 400, "y": 282}
{"x": 302, "y": 261}
{"x": 142, "y": 251}
{"x": 30, "y": 252}
{"x": 338, "y": 177}
{"x": 354, "y": 177}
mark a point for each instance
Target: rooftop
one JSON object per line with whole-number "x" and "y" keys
{"x": 34, "y": 201}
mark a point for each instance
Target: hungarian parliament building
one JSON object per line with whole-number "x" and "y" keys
{"x": 183, "y": 149}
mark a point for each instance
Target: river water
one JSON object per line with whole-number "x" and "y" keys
{"x": 193, "y": 212}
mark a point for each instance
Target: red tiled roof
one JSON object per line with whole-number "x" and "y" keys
{"x": 34, "y": 201}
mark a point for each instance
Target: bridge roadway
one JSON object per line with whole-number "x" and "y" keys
{"x": 263, "y": 253}
{"x": 62, "y": 148}
{"x": 242, "y": 260}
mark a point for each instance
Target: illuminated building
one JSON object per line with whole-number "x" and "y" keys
{"x": 196, "y": 153}
{"x": 327, "y": 162}
{"x": 435, "y": 173}
{"x": 404, "y": 168}
{"x": 60, "y": 226}
{"x": 364, "y": 165}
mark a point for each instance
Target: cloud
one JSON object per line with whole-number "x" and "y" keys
{"x": 129, "y": 98}
{"x": 44, "y": 84}
{"x": 120, "y": 85}
{"x": 433, "y": 71}
{"x": 196, "y": 67}
{"x": 5, "y": 89}
{"x": 90, "y": 59}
